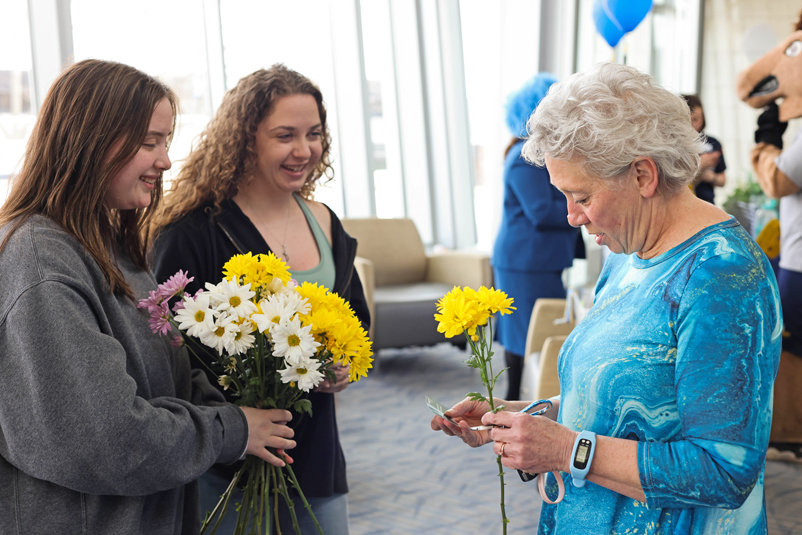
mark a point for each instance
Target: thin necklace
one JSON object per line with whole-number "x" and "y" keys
{"x": 267, "y": 229}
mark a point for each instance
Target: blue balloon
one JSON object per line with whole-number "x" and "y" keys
{"x": 628, "y": 13}
{"x": 608, "y": 29}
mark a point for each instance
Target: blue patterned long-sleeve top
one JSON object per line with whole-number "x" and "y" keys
{"x": 679, "y": 353}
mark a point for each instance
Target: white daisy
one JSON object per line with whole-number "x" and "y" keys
{"x": 293, "y": 342}
{"x": 222, "y": 333}
{"x": 196, "y": 318}
{"x": 243, "y": 339}
{"x": 277, "y": 286}
{"x": 224, "y": 381}
{"x": 296, "y": 302}
{"x": 233, "y": 298}
{"x": 305, "y": 374}
{"x": 274, "y": 312}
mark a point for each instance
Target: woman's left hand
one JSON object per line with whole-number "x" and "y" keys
{"x": 330, "y": 387}
{"x": 533, "y": 444}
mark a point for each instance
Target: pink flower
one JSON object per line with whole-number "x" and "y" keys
{"x": 178, "y": 306}
{"x": 160, "y": 319}
{"x": 154, "y": 301}
{"x": 177, "y": 341}
{"x": 174, "y": 284}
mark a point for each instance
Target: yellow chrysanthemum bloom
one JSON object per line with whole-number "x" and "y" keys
{"x": 335, "y": 302}
{"x": 239, "y": 266}
{"x": 345, "y": 340}
{"x": 361, "y": 363}
{"x": 258, "y": 277}
{"x": 316, "y": 294}
{"x": 458, "y": 314}
{"x": 323, "y": 321}
{"x": 494, "y": 301}
{"x": 274, "y": 267}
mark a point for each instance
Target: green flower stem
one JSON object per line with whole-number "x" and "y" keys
{"x": 303, "y": 498}
{"x": 273, "y": 470}
{"x": 482, "y": 350}
{"x": 222, "y": 505}
{"x": 290, "y": 504}
{"x": 264, "y": 503}
{"x": 504, "y": 519}
{"x": 247, "y": 501}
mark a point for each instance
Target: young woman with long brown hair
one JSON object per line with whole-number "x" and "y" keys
{"x": 104, "y": 425}
{"x": 247, "y": 187}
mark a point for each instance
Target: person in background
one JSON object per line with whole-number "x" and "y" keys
{"x": 247, "y": 186}
{"x": 712, "y": 166}
{"x": 779, "y": 173}
{"x": 535, "y": 243}
{"x": 105, "y": 427}
{"x": 665, "y": 407}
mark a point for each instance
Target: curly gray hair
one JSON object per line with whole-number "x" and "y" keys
{"x": 604, "y": 118}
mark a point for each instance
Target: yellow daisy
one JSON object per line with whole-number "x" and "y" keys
{"x": 274, "y": 267}
{"x": 494, "y": 301}
{"x": 239, "y": 266}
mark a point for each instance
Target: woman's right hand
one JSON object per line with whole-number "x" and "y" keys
{"x": 268, "y": 429}
{"x": 467, "y": 413}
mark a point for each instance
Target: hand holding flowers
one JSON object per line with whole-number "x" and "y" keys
{"x": 274, "y": 341}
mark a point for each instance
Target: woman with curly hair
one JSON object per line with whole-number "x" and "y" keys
{"x": 247, "y": 187}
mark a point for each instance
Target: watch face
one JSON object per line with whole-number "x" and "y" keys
{"x": 582, "y": 454}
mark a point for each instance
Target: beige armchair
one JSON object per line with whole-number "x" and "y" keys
{"x": 403, "y": 283}
{"x": 543, "y": 342}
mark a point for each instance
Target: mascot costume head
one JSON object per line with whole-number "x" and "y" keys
{"x": 778, "y": 74}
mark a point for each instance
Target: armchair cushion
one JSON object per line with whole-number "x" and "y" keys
{"x": 405, "y": 315}
{"x": 393, "y": 245}
{"x": 460, "y": 268}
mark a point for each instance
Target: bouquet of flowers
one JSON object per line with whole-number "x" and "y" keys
{"x": 468, "y": 311}
{"x": 275, "y": 340}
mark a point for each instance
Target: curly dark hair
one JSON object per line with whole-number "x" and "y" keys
{"x": 225, "y": 152}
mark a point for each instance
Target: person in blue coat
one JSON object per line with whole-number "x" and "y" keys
{"x": 535, "y": 242}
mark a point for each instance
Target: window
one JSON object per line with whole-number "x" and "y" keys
{"x": 16, "y": 114}
{"x": 665, "y": 44}
{"x": 377, "y": 38}
{"x": 164, "y": 39}
{"x": 499, "y": 58}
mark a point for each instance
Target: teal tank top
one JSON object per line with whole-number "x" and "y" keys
{"x": 322, "y": 274}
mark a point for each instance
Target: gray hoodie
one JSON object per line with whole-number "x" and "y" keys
{"x": 104, "y": 427}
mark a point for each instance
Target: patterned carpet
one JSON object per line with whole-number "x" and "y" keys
{"x": 406, "y": 479}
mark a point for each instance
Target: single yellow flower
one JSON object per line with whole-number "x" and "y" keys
{"x": 494, "y": 301}
{"x": 274, "y": 267}
{"x": 335, "y": 302}
{"x": 360, "y": 364}
{"x": 458, "y": 314}
{"x": 323, "y": 321}
{"x": 239, "y": 266}
{"x": 344, "y": 340}
{"x": 316, "y": 294}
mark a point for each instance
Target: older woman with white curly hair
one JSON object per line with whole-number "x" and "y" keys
{"x": 666, "y": 385}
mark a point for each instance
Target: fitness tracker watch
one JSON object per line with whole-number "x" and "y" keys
{"x": 582, "y": 456}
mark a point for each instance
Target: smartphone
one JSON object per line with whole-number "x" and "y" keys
{"x": 439, "y": 409}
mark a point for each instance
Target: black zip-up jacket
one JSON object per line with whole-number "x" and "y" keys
{"x": 200, "y": 243}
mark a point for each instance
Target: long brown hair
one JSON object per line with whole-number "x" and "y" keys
{"x": 225, "y": 153}
{"x": 93, "y": 120}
